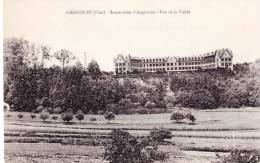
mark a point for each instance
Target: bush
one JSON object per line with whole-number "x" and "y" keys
{"x": 192, "y": 118}
{"x": 20, "y": 116}
{"x": 125, "y": 148}
{"x": 240, "y": 156}
{"x": 159, "y": 134}
{"x": 93, "y": 119}
{"x": 55, "y": 117}
{"x": 109, "y": 116}
{"x": 33, "y": 116}
{"x": 177, "y": 116}
{"x": 8, "y": 115}
{"x": 180, "y": 114}
{"x": 44, "y": 115}
{"x": 57, "y": 110}
{"x": 67, "y": 116}
{"x": 79, "y": 116}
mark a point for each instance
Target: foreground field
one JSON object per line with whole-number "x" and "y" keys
{"x": 28, "y": 140}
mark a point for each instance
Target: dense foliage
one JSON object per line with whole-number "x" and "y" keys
{"x": 125, "y": 148}
{"x": 31, "y": 86}
{"x": 160, "y": 134}
{"x": 240, "y": 156}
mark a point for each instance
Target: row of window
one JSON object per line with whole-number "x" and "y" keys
{"x": 176, "y": 68}
{"x": 225, "y": 64}
{"x": 163, "y": 59}
{"x": 225, "y": 59}
{"x": 120, "y": 64}
{"x": 171, "y": 64}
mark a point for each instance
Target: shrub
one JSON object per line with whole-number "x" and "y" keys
{"x": 177, "y": 116}
{"x": 125, "y": 148}
{"x": 109, "y": 116}
{"x": 8, "y": 115}
{"x": 192, "y": 118}
{"x": 20, "y": 116}
{"x": 93, "y": 119}
{"x": 67, "y": 116}
{"x": 55, "y": 117}
{"x": 80, "y": 116}
{"x": 159, "y": 134}
{"x": 33, "y": 116}
{"x": 57, "y": 110}
{"x": 240, "y": 156}
{"x": 44, "y": 115}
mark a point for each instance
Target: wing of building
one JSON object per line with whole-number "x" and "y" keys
{"x": 219, "y": 58}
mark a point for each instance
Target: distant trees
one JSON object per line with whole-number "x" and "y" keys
{"x": 109, "y": 116}
{"x": 29, "y": 86}
{"x": 93, "y": 68}
{"x": 64, "y": 56}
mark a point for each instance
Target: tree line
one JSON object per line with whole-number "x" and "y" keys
{"x": 30, "y": 85}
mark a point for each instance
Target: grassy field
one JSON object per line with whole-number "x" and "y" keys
{"x": 28, "y": 140}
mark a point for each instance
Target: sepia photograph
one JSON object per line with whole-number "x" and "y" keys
{"x": 144, "y": 81}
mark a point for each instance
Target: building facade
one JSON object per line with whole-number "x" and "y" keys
{"x": 219, "y": 58}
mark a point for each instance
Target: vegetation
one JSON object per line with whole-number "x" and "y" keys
{"x": 93, "y": 119}
{"x": 125, "y": 148}
{"x": 30, "y": 86}
{"x": 33, "y": 116}
{"x": 160, "y": 134}
{"x": 20, "y": 116}
{"x": 180, "y": 114}
{"x": 67, "y": 116}
{"x": 109, "y": 116}
{"x": 80, "y": 116}
{"x": 44, "y": 115}
{"x": 240, "y": 156}
{"x": 54, "y": 117}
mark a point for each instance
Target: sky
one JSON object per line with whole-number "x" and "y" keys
{"x": 209, "y": 25}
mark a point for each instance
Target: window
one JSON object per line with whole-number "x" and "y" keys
{"x": 167, "y": 64}
{"x": 171, "y": 68}
{"x": 222, "y": 59}
{"x": 171, "y": 64}
{"x": 222, "y": 64}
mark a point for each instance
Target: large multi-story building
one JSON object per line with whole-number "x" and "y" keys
{"x": 219, "y": 58}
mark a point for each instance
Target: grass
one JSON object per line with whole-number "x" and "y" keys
{"x": 214, "y": 131}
